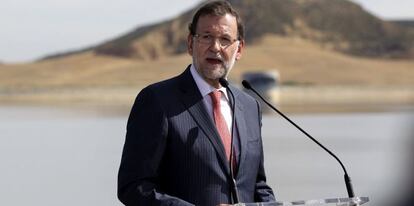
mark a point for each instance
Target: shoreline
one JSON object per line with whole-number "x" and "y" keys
{"x": 290, "y": 99}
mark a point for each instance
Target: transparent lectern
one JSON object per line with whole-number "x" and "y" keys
{"x": 355, "y": 201}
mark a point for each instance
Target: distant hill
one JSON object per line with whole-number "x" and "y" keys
{"x": 338, "y": 24}
{"x": 307, "y": 41}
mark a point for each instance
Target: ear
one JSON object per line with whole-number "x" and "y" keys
{"x": 240, "y": 49}
{"x": 190, "y": 43}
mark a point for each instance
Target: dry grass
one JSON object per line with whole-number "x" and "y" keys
{"x": 88, "y": 78}
{"x": 301, "y": 61}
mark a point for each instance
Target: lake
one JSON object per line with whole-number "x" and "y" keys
{"x": 54, "y": 156}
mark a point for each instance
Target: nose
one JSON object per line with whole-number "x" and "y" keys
{"x": 215, "y": 45}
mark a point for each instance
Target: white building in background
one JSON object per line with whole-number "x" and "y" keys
{"x": 267, "y": 83}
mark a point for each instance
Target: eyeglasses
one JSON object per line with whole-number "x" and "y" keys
{"x": 208, "y": 39}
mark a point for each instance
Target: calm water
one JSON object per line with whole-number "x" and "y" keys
{"x": 63, "y": 157}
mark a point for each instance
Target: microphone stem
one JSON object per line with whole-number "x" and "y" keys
{"x": 346, "y": 176}
{"x": 235, "y": 189}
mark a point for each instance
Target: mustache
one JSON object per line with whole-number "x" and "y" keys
{"x": 215, "y": 57}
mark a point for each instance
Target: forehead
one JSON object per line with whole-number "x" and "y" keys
{"x": 226, "y": 24}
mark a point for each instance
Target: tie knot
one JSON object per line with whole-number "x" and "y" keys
{"x": 215, "y": 97}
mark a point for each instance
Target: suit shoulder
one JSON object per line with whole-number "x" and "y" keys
{"x": 162, "y": 87}
{"x": 165, "y": 84}
{"x": 244, "y": 95}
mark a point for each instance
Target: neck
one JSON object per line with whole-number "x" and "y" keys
{"x": 214, "y": 83}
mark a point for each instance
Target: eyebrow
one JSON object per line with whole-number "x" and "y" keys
{"x": 210, "y": 33}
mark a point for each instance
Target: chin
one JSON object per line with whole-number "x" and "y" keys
{"x": 214, "y": 74}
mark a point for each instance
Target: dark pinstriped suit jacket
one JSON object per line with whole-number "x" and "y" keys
{"x": 173, "y": 154}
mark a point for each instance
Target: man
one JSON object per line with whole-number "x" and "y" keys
{"x": 178, "y": 143}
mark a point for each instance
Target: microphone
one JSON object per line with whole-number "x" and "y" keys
{"x": 348, "y": 183}
{"x": 235, "y": 192}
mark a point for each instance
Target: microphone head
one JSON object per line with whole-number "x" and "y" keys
{"x": 246, "y": 84}
{"x": 224, "y": 82}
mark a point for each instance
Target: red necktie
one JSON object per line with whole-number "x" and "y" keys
{"x": 221, "y": 125}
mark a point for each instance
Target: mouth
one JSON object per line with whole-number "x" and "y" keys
{"x": 214, "y": 60}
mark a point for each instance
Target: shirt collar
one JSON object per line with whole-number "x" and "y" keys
{"x": 203, "y": 86}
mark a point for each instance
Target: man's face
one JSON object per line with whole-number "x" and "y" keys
{"x": 214, "y": 59}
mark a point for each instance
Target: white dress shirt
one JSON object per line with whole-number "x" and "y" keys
{"x": 205, "y": 89}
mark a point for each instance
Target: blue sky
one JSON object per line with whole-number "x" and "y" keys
{"x": 31, "y": 30}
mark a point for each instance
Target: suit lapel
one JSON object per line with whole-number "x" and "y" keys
{"x": 193, "y": 100}
{"x": 241, "y": 127}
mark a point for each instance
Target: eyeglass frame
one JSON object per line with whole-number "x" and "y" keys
{"x": 213, "y": 40}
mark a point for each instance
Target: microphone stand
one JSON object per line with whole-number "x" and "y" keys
{"x": 347, "y": 179}
{"x": 235, "y": 192}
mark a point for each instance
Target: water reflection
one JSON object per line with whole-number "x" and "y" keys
{"x": 65, "y": 157}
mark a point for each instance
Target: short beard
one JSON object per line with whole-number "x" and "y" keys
{"x": 212, "y": 75}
